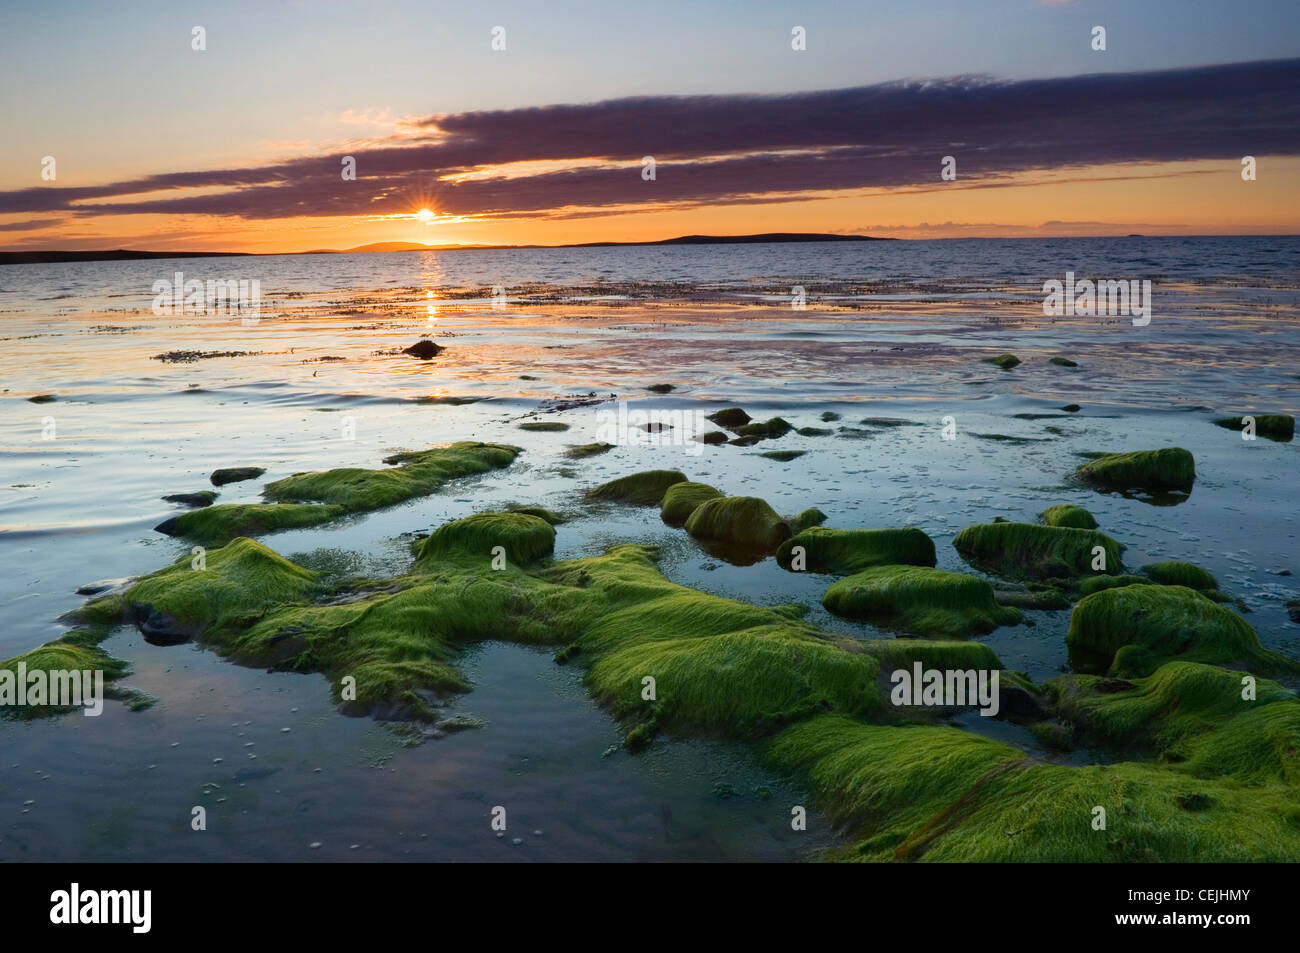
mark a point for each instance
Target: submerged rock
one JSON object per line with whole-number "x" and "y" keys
{"x": 783, "y": 456}
{"x": 1181, "y": 574}
{"x": 1069, "y": 515}
{"x": 1004, "y": 361}
{"x": 424, "y": 350}
{"x": 767, "y": 429}
{"x": 541, "y": 512}
{"x": 544, "y": 426}
{"x": 742, "y": 520}
{"x": 1132, "y": 630}
{"x": 582, "y": 451}
{"x": 1037, "y": 552}
{"x": 844, "y": 551}
{"x": 731, "y": 418}
{"x": 919, "y": 599}
{"x": 1170, "y": 468}
{"x": 681, "y": 499}
{"x": 523, "y": 538}
{"x": 235, "y": 475}
{"x": 1279, "y": 427}
{"x": 216, "y": 525}
{"x": 639, "y": 489}
{"x": 1063, "y": 362}
{"x": 712, "y": 437}
{"x": 197, "y": 500}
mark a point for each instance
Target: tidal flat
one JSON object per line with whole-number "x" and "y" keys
{"x": 368, "y": 548}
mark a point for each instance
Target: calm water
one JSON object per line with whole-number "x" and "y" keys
{"x": 890, "y": 329}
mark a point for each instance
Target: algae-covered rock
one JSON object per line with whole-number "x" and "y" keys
{"x": 1063, "y": 362}
{"x": 783, "y": 456}
{"x": 1170, "y": 468}
{"x": 226, "y": 590}
{"x": 1097, "y": 583}
{"x": 1132, "y": 630}
{"x": 1181, "y": 574}
{"x": 1067, "y": 514}
{"x": 52, "y": 679}
{"x": 730, "y": 417}
{"x": 544, "y": 426}
{"x": 522, "y": 536}
{"x": 1037, "y": 552}
{"x": 1004, "y": 361}
{"x": 844, "y": 551}
{"x": 681, "y": 499}
{"x": 775, "y": 427}
{"x": 814, "y": 432}
{"x": 1279, "y": 427}
{"x": 1046, "y": 599}
{"x": 919, "y": 599}
{"x": 217, "y": 525}
{"x": 807, "y": 519}
{"x": 741, "y": 520}
{"x": 419, "y": 473}
{"x": 235, "y": 475}
{"x": 712, "y": 437}
{"x": 639, "y": 489}
{"x": 541, "y": 512}
{"x": 196, "y": 500}
{"x": 584, "y": 450}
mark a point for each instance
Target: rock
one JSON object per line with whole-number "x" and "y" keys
{"x": 1037, "y": 552}
{"x": 639, "y": 489}
{"x": 741, "y": 520}
{"x": 844, "y": 551}
{"x": 1063, "y": 362}
{"x": 775, "y": 427}
{"x": 731, "y": 418}
{"x": 424, "y": 350}
{"x": 235, "y": 475}
{"x": 919, "y": 599}
{"x": 712, "y": 437}
{"x": 661, "y": 388}
{"x": 582, "y": 451}
{"x": 1171, "y": 468}
{"x": 681, "y": 499}
{"x": 1279, "y": 427}
{"x": 783, "y": 456}
{"x": 196, "y": 500}
{"x": 1067, "y": 514}
{"x": 544, "y": 426}
{"x": 1004, "y": 361}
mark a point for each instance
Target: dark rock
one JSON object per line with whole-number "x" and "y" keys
{"x": 424, "y": 350}
{"x": 235, "y": 475}
{"x": 194, "y": 500}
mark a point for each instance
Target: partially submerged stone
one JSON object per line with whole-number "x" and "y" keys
{"x": 418, "y": 473}
{"x": 235, "y": 475}
{"x": 919, "y": 599}
{"x": 712, "y": 437}
{"x": 196, "y": 500}
{"x": 1004, "y": 361}
{"x": 1279, "y": 427}
{"x": 424, "y": 349}
{"x": 681, "y": 499}
{"x": 730, "y": 417}
{"x": 741, "y": 520}
{"x": 1067, "y": 514}
{"x": 544, "y": 426}
{"x": 783, "y": 456}
{"x": 217, "y": 525}
{"x": 1063, "y": 362}
{"x": 844, "y": 551}
{"x": 1037, "y": 552}
{"x": 582, "y": 451}
{"x": 521, "y": 537}
{"x": 63, "y": 666}
{"x": 639, "y": 489}
{"x": 541, "y": 512}
{"x": 1170, "y": 468}
{"x": 1181, "y": 574}
{"x": 1132, "y": 630}
{"x": 767, "y": 429}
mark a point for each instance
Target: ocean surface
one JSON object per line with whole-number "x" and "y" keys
{"x": 136, "y": 405}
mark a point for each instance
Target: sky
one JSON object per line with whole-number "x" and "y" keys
{"x": 116, "y": 132}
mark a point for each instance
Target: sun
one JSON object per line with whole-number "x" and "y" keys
{"x": 425, "y": 216}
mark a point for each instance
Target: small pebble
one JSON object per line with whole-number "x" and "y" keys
{"x": 216, "y": 760}
{"x": 315, "y": 845}
{"x": 517, "y": 841}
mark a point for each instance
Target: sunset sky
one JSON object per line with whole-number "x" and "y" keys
{"x": 239, "y": 146}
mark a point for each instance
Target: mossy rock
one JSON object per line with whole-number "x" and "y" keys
{"x": 1029, "y": 550}
{"x": 61, "y": 664}
{"x": 1132, "y": 630}
{"x": 1004, "y": 361}
{"x": 814, "y": 432}
{"x": 217, "y": 525}
{"x": 544, "y": 426}
{"x": 522, "y": 536}
{"x": 1046, "y": 599}
{"x": 921, "y": 600}
{"x": 713, "y": 437}
{"x": 1170, "y": 468}
{"x": 235, "y": 475}
{"x": 238, "y": 584}
{"x": 639, "y": 489}
{"x": 946, "y": 655}
{"x": 584, "y": 450}
{"x": 1181, "y": 574}
{"x": 1063, "y": 362}
{"x": 1279, "y": 427}
{"x": 418, "y": 473}
{"x": 1097, "y": 583}
{"x": 681, "y": 499}
{"x": 740, "y": 520}
{"x": 196, "y": 500}
{"x": 1069, "y": 515}
{"x": 844, "y": 551}
{"x": 767, "y": 429}
{"x": 783, "y": 456}
{"x": 730, "y": 418}
{"x": 541, "y": 512}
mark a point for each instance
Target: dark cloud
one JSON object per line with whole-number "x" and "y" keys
{"x": 740, "y": 148}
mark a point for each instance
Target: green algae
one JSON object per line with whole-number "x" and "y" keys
{"x": 1181, "y": 574}
{"x": 1004, "y": 361}
{"x": 1132, "y": 630}
{"x": 541, "y": 512}
{"x": 74, "y": 654}
{"x": 1170, "y": 468}
{"x": 844, "y": 551}
{"x": 920, "y": 600}
{"x": 1097, "y": 583}
{"x": 522, "y": 536}
{"x": 638, "y": 489}
{"x": 774, "y": 427}
{"x": 584, "y": 450}
{"x": 681, "y": 499}
{"x": 1069, "y": 515}
{"x": 217, "y": 525}
{"x": 1279, "y": 427}
{"x": 418, "y": 473}
{"x": 1038, "y": 552}
{"x": 1046, "y": 599}
{"x": 544, "y": 426}
{"x": 741, "y": 520}
{"x": 730, "y": 418}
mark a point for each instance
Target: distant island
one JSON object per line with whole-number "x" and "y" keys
{"x": 123, "y": 254}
